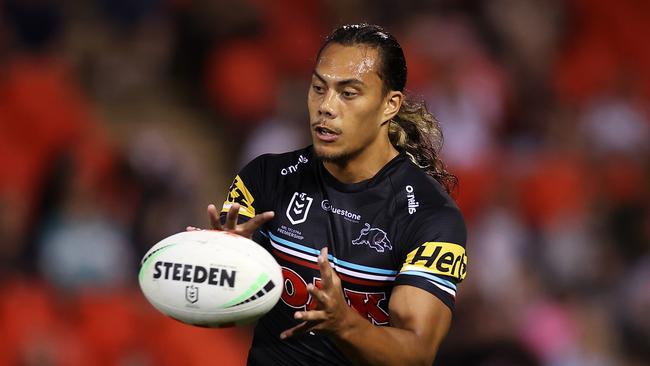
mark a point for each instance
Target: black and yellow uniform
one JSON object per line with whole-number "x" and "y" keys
{"x": 397, "y": 228}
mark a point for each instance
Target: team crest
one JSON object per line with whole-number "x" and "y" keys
{"x": 238, "y": 193}
{"x": 191, "y": 293}
{"x": 299, "y": 208}
{"x": 374, "y": 238}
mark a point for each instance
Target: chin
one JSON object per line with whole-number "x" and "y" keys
{"x": 325, "y": 152}
{"x": 329, "y": 154}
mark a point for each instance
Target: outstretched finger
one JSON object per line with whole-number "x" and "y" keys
{"x": 326, "y": 271}
{"x": 213, "y": 215}
{"x": 301, "y": 328}
{"x": 256, "y": 222}
{"x": 322, "y": 299}
{"x": 231, "y": 217}
{"x": 314, "y": 316}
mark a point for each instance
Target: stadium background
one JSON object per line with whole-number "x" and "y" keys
{"x": 120, "y": 120}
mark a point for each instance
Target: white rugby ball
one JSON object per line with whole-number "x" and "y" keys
{"x": 210, "y": 278}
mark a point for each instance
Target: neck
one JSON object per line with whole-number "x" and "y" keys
{"x": 364, "y": 165}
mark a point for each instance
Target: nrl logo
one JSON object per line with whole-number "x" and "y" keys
{"x": 299, "y": 208}
{"x": 191, "y": 294}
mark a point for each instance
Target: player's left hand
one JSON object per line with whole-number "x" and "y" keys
{"x": 332, "y": 311}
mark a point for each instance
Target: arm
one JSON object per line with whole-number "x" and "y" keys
{"x": 419, "y": 322}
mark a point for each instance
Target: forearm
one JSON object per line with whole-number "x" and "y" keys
{"x": 367, "y": 344}
{"x": 419, "y": 322}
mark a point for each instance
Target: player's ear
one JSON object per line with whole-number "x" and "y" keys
{"x": 392, "y": 104}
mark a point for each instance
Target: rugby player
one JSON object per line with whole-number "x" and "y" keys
{"x": 371, "y": 246}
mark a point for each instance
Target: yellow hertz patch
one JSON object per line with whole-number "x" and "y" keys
{"x": 439, "y": 258}
{"x": 238, "y": 193}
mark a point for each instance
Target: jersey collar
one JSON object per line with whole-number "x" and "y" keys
{"x": 359, "y": 186}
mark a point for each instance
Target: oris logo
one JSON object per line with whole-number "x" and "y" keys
{"x": 410, "y": 198}
{"x": 294, "y": 168}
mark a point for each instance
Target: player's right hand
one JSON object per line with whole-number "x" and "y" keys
{"x": 246, "y": 229}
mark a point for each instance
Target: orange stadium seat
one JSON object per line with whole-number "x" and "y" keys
{"x": 108, "y": 324}
{"x": 174, "y": 343}
{"x": 27, "y": 315}
{"x": 556, "y": 186}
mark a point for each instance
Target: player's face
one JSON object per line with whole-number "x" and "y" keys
{"x": 346, "y": 103}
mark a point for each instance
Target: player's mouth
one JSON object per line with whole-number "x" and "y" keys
{"x": 325, "y": 134}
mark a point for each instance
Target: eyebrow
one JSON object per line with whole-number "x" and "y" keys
{"x": 343, "y": 82}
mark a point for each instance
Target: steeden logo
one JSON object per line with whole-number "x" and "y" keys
{"x": 299, "y": 208}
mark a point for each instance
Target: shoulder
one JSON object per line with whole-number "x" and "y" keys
{"x": 283, "y": 164}
{"x": 256, "y": 185}
{"x": 275, "y": 166}
{"x": 425, "y": 207}
{"x": 416, "y": 191}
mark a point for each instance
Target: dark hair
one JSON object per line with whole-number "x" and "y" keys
{"x": 414, "y": 129}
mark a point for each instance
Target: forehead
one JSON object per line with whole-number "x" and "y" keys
{"x": 348, "y": 62}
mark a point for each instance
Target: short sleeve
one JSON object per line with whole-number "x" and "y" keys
{"x": 435, "y": 258}
{"x": 247, "y": 190}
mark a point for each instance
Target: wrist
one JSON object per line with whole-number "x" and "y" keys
{"x": 350, "y": 325}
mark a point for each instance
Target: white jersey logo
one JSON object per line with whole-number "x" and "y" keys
{"x": 326, "y": 205}
{"x": 294, "y": 168}
{"x": 374, "y": 238}
{"x": 411, "y": 202}
{"x": 299, "y": 208}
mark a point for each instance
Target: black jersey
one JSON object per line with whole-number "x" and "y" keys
{"x": 397, "y": 228}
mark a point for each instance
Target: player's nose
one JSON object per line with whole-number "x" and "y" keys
{"x": 327, "y": 106}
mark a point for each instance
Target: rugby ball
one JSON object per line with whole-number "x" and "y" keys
{"x": 210, "y": 278}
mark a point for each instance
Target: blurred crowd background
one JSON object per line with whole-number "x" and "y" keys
{"x": 120, "y": 120}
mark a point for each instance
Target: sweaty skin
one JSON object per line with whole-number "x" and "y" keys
{"x": 418, "y": 323}
{"x": 348, "y": 119}
{"x": 348, "y": 114}
{"x": 346, "y": 100}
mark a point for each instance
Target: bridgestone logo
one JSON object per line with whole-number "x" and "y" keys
{"x": 327, "y": 206}
{"x": 194, "y": 274}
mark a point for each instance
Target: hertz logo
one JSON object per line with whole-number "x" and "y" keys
{"x": 440, "y": 258}
{"x": 238, "y": 193}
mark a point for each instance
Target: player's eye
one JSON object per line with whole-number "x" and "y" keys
{"x": 318, "y": 89}
{"x": 347, "y": 94}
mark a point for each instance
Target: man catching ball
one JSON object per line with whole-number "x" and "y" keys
{"x": 372, "y": 247}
